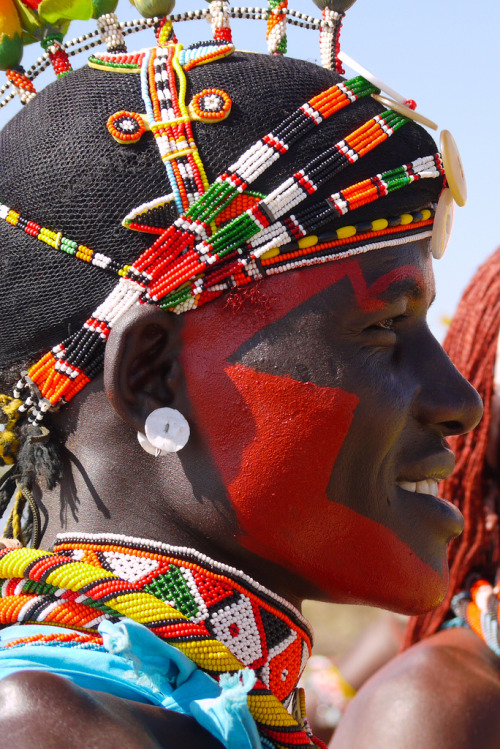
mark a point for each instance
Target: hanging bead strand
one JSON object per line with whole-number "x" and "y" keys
{"x": 218, "y": 16}
{"x": 329, "y": 44}
{"x": 21, "y": 84}
{"x": 160, "y": 9}
{"x": 57, "y": 54}
{"x": 276, "y": 27}
{"x": 164, "y": 31}
{"x": 111, "y": 33}
{"x": 332, "y": 16}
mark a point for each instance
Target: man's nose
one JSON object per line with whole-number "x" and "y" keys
{"x": 446, "y": 400}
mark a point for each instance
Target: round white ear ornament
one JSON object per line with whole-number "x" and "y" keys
{"x": 453, "y": 168}
{"x": 443, "y": 224}
{"x": 167, "y": 431}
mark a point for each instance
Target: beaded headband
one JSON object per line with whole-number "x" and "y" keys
{"x": 211, "y": 237}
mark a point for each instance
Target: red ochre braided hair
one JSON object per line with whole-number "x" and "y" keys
{"x": 471, "y": 343}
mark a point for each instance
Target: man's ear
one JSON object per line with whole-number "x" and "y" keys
{"x": 141, "y": 364}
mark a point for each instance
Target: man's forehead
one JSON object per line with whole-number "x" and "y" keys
{"x": 364, "y": 280}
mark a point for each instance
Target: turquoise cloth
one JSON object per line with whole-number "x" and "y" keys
{"x": 136, "y": 665}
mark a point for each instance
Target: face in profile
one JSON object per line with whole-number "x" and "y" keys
{"x": 325, "y": 407}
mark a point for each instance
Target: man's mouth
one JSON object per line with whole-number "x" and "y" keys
{"x": 425, "y": 486}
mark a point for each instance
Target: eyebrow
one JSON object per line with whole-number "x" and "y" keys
{"x": 409, "y": 280}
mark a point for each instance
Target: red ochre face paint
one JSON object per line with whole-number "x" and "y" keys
{"x": 276, "y": 439}
{"x": 299, "y": 429}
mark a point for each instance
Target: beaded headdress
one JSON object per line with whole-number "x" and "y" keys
{"x": 251, "y": 189}
{"x": 263, "y": 159}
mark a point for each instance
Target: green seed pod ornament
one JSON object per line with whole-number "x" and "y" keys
{"x": 339, "y": 5}
{"x": 152, "y": 8}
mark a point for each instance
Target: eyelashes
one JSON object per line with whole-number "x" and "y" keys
{"x": 390, "y": 323}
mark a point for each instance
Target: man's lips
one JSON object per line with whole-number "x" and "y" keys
{"x": 422, "y": 479}
{"x": 423, "y": 476}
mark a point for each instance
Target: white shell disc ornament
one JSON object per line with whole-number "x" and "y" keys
{"x": 443, "y": 224}
{"x": 371, "y": 77}
{"x": 396, "y": 106}
{"x": 167, "y": 431}
{"x": 453, "y": 168}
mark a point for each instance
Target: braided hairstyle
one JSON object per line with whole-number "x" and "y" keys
{"x": 471, "y": 343}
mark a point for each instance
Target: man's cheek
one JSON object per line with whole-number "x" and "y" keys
{"x": 275, "y": 442}
{"x": 275, "y": 451}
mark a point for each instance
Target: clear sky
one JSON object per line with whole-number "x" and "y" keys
{"x": 443, "y": 54}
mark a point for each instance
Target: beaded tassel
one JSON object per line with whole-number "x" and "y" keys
{"x": 164, "y": 31}
{"x": 276, "y": 27}
{"x": 57, "y": 55}
{"x": 218, "y": 16}
{"x": 21, "y": 84}
{"x": 329, "y": 39}
{"x": 479, "y": 608}
{"x": 111, "y": 33}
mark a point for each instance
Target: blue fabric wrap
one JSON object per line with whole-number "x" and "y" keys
{"x": 136, "y": 665}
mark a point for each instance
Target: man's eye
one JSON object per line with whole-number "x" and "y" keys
{"x": 385, "y": 324}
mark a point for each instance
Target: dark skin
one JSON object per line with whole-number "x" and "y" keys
{"x": 349, "y": 343}
{"x": 443, "y": 693}
{"x": 448, "y": 685}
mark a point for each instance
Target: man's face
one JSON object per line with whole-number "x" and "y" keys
{"x": 323, "y": 411}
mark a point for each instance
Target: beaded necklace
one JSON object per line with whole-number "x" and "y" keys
{"x": 479, "y": 609}
{"x": 217, "y": 616}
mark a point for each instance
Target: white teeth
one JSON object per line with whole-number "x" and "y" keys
{"x": 426, "y": 486}
{"x": 409, "y": 486}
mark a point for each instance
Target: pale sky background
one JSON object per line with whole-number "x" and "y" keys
{"x": 445, "y": 54}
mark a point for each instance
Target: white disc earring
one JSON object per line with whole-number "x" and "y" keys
{"x": 443, "y": 224}
{"x": 167, "y": 431}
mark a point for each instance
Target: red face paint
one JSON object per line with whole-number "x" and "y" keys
{"x": 275, "y": 441}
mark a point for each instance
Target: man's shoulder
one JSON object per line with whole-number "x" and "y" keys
{"x": 41, "y": 709}
{"x": 443, "y": 693}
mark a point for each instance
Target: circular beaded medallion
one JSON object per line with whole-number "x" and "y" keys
{"x": 210, "y": 105}
{"x": 126, "y": 127}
